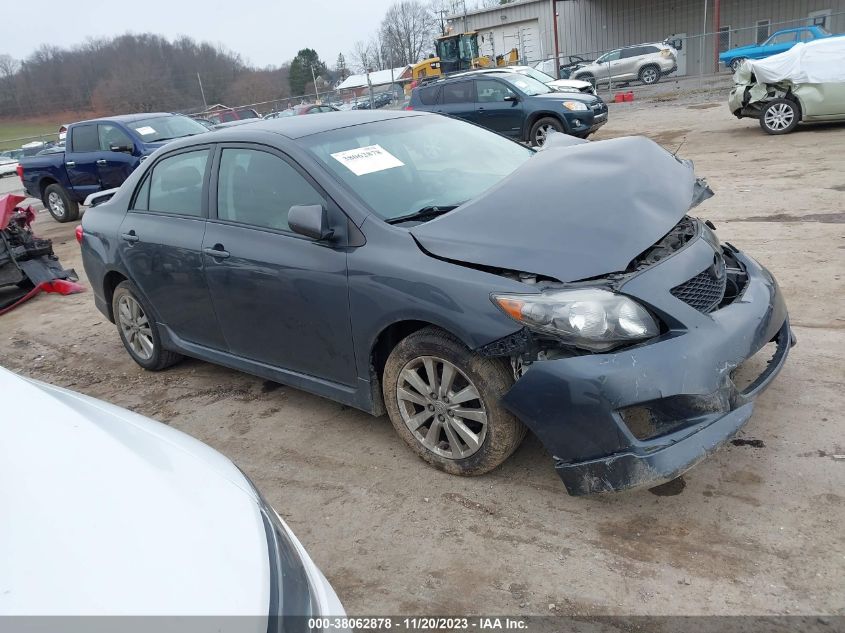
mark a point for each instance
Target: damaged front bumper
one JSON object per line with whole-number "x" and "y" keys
{"x": 641, "y": 416}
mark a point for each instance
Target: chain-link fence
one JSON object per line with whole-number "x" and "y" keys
{"x": 697, "y": 55}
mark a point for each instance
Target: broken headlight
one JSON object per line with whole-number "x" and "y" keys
{"x": 591, "y": 318}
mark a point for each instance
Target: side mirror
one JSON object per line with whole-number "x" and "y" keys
{"x": 310, "y": 220}
{"x": 122, "y": 148}
{"x": 512, "y": 98}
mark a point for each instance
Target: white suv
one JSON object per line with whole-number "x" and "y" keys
{"x": 644, "y": 62}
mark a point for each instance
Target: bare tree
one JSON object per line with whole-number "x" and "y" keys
{"x": 407, "y": 31}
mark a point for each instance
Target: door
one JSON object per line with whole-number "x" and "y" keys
{"x": 81, "y": 155}
{"x": 626, "y": 67}
{"x": 458, "y": 99}
{"x": 281, "y": 299}
{"x": 116, "y": 160}
{"x": 494, "y": 112}
{"x": 160, "y": 243}
{"x": 609, "y": 65}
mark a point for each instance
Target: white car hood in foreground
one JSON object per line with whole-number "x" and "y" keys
{"x": 107, "y": 512}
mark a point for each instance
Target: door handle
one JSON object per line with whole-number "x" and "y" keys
{"x": 70, "y": 163}
{"x": 217, "y": 252}
{"x": 480, "y": 108}
{"x": 102, "y": 161}
{"x": 130, "y": 237}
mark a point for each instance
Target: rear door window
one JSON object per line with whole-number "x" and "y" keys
{"x": 176, "y": 184}
{"x": 84, "y": 138}
{"x": 458, "y": 92}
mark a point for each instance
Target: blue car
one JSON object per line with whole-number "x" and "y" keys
{"x": 777, "y": 43}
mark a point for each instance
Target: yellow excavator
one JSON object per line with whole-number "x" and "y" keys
{"x": 455, "y": 52}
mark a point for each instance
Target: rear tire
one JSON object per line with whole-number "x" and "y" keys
{"x": 468, "y": 430}
{"x": 650, "y": 75}
{"x": 780, "y": 116}
{"x": 138, "y": 329}
{"x": 59, "y": 204}
{"x": 541, "y": 128}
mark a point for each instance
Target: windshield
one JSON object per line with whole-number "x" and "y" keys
{"x": 536, "y": 74}
{"x": 164, "y": 128}
{"x": 400, "y": 166}
{"x": 526, "y": 85}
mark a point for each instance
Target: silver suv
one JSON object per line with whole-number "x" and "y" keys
{"x": 645, "y": 62}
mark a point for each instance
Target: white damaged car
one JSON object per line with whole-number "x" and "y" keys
{"x": 804, "y": 84}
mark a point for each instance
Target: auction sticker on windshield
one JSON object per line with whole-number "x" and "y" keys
{"x": 366, "y": 160}
{"x": 146, "y": 130}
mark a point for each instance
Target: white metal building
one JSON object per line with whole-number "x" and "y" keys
{"x": 590, "y": 27}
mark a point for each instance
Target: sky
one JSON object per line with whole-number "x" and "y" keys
{"x": 264, "y": 32}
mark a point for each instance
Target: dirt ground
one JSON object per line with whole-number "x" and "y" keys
{"x": 755, "y": 529}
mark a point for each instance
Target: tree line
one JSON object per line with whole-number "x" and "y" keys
{"x": 147, "y": 72}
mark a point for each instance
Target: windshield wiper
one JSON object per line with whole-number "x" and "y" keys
{"x": 426, "y": 213}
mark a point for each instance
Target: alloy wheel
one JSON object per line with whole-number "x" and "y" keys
{"x": 135, "y": 327}
{"x": 441, "y": 407}
{"x": 649, "y": 76}
{"x": 57, "y": 205}
{"x": 779, "y": 117}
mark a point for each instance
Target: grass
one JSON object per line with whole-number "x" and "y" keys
{"x": 47, "y": 125}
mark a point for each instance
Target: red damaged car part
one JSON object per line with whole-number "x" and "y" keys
{"x": 27, "y": 263}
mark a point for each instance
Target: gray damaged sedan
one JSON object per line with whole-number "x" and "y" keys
{"x": 421, "y": 266}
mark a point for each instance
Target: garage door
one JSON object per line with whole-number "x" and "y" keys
{"x": 523, "y": 36}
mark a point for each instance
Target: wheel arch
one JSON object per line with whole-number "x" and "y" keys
{"x": 45, "y": 182}
{"x": 110, "y": 281}
{"x": 536, "y": 116}
{"x": 384, "y": 343}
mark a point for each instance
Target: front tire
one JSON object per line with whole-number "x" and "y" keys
{"x": 541, "y": 129}
{"x": 780, "y": 116}
{"x": 59, "y": 204}
{"x": 444, "y": 401}
{"x": 138, "y": 329}
{"x": 649, "y": 75}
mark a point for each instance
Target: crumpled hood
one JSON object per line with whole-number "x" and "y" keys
{"x": 573, "y": 211}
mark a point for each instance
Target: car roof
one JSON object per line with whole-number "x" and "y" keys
{"x": 129, "y": 118}
{"x": 295, "y": 127}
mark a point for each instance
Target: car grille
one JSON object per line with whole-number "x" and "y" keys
{"x": 705, "y": 291}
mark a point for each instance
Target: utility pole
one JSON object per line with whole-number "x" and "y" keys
{"x": 204, "y": 103}
{"x": 370, "y": 84}
{"x": 314, "y": 79}
{"x": 557, "y": 41}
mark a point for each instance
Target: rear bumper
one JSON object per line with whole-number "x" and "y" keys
{"x": 577, "y": 406}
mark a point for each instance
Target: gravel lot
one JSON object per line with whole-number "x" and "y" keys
{"x": 757, "y": 528}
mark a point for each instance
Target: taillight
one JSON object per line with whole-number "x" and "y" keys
{"x": 409, "y": 107}
{"x": 19, "y": 169}
{"x": 79, "y": 233}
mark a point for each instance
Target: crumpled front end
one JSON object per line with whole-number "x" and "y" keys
{"x": 642, "y": 415}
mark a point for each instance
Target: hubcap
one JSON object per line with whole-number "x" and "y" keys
{"x": 542, "y": 134}
{"x": 441, "y": 407}
{"x": 649, "y": 74}
{"x": 779, "y": 117}
{"x": 57, "y": 205}
{"x": 135, "y": 327}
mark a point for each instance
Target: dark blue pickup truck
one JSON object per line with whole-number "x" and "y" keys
{"x": 99, "y": 154}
